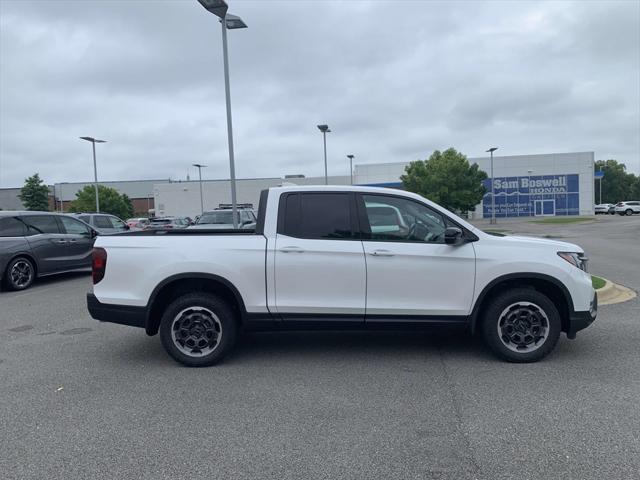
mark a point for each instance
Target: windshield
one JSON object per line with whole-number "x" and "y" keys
{"x": 216, "y": 218}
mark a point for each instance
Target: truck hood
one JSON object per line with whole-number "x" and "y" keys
{"x": 559, "y": 246}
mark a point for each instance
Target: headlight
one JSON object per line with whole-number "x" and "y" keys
{"x": 577, "y": 259}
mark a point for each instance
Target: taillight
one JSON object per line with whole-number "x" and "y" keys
{"x": 98, "y": 264}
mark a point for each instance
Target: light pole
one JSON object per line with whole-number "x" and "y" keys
{"x": 530, "y": 200}
{"x": 600, "y": 185}
{"x": 95, "y": 168}
{"x": 493, "y": 195}
{"x": 61, "y": 197}
{"x": 231, "y": 22}
{"x": 325, "y": 129}
{"x": 350, "y": 157}
{"x": 200, "y": 167}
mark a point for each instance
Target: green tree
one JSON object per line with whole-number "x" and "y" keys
{"x": 34, "y": 194}
{"x": 448, "y": 179}
{"x": 617, "y": 184}
{"x": 129, "y": 203}
{"x": 111, "y": 201}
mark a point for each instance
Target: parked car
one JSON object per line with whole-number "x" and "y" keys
{"x": 628, "y": 208}
{"x": 605, "y": 208}
{"x": 314, "y": 261}
{"x": 103, "y": 223}
{"x": 220, "y": 219}
{"x": 137, "y": 223}
{"x": 167, "y": 223}
{"x": 36, "y": 244}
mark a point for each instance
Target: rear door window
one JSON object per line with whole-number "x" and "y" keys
{"x": 117, "y": 223}
{"x": 318, "y": 216}
{"x": 11, "y": 227}
{"x": 41, "y": 224}
{"x": 73, "y": 226}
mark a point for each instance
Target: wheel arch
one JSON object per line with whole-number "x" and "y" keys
{"x": 172, "y": 287}
{"x": 546, "y": 284}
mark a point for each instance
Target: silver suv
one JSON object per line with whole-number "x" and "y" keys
{"x": 35, "y": 244}
{"x": 222, "y": 219}
{"x": 103, "y": 223}
{"x": 628, "y": 208}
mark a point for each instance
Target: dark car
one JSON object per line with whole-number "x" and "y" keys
{"x": 36, "y": 244}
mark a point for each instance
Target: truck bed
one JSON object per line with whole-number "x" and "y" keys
{"x": 186, "y": 231}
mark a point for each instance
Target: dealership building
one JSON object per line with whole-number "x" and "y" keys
{"x": 524, "y": 185}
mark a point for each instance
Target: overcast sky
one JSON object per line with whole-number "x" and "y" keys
{"x": 393, "y": 79}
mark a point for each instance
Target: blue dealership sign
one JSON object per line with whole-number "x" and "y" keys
{"x": 533, "y": 195}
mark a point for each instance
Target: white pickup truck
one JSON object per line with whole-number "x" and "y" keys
{"x": 342, "y": 258}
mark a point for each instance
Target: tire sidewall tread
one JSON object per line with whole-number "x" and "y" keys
{"x": 7, "y": 274}
{"x": 218, "y": 306}
{"x": 502, "y": 301}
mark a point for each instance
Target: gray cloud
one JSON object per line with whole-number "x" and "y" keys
{"x": 394, "y": 80}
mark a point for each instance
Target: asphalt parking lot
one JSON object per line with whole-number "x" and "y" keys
{"x": 80, "y": 399}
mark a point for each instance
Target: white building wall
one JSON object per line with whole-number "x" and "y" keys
{"x": 183, "y": 198}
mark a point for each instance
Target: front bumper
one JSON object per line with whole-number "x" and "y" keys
{"x": 581, "y": 320}
{"x": 120, "y": 314}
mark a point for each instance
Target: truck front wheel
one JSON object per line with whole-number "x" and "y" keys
{"x": 521, "y": 325}
{"x": 198, "y": 329}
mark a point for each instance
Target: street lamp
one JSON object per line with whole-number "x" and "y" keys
{"x": 350, "y": 157}
{"x": 493, "y": 195}
{"x": 95, "y": 168}
{"x": 231, "y": 22}
{"x": 530, "y": 200}
{"x": 325, "y": 129}
{"x": 200, "y": 167}
{"x": 61, "y": 197}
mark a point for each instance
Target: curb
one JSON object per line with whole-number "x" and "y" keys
{"x": 613, "y": 293}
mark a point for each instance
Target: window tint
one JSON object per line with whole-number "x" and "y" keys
{"x": 41, "y": 224}
{"x": 102, "y": 221}
{"x": 85, "y": 218}
{"x": 402, "y": 220}
{"x": 71, "y": 225}
{"x": 11, "y": 227}
{"x": 318, "y": 216}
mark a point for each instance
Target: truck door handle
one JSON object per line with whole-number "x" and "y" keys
{"x": 382, "y": 253}
{"x": 291, "y": 249}
{"x": 61, "y": 240}
{"x": 72, "y": 240}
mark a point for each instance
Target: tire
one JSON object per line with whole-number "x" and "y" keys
{"x": 628, "y": 212}
{"x": 525, "y": 306}
{"x": 19, "y": 274}
{"x": 208, "y": 332}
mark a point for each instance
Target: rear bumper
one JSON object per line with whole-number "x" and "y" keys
{"x": 120, "y": 314}
{"x": 581, "y": 320}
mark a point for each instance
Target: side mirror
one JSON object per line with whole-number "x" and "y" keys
{"x": 453, "y": 236}
{"x": 127, "y": 227}
{"x": 93, "y": 233}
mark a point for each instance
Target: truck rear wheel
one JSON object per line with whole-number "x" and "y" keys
{"x": 198, "y": 329}
{"x": 521, "y": 325}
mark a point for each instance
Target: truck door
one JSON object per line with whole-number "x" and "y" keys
{"x": 412, "y": 275}
{"x": 320, "y": 272}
